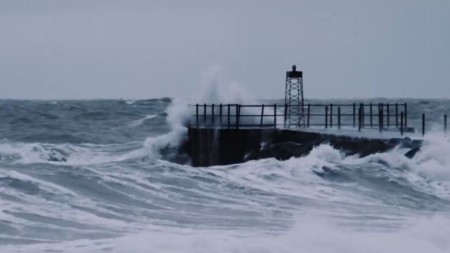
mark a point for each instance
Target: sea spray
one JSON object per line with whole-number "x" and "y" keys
{"x": 213, "y": 90}
{"x": 433, "y": 158}
{"x": 216, "y": 89}
{"x": 178, "y": 116}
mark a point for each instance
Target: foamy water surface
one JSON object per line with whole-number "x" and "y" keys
{"x": 104, "y": 176}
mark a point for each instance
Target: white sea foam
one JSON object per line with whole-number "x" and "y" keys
{"x": 311, "y": 233}
{"x": 177, "y": 116}
{"x": 351, "y": 222}
{"x": 433, "y": 160}
{"x": 65, "y": 154}
{"x": 139, "y": 122}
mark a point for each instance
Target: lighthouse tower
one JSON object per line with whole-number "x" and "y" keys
{"x": 295, "y": 114}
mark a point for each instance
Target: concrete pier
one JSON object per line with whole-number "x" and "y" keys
{"x": 223, "y": 146}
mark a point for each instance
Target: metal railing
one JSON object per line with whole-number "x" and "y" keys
{"x": 381, "y": 116}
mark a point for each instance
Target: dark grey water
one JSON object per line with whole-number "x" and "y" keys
{"x": 98, "y": 176}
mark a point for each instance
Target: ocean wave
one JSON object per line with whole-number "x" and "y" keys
{"x": 124, "y": 188}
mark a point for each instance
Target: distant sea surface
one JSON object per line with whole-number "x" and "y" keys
{"x": 104, "y": 176}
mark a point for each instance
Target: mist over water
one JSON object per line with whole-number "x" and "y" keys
{"x": 104, "y": 176}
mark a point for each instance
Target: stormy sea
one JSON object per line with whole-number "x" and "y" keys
{"x": 106, "y": 176}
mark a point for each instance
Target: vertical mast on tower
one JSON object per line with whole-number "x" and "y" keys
{"x": 295, "y": 114}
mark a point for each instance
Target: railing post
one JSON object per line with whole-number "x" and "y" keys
{"x": 285, "y": 114}
{"x": 326, "y": 116}
{"x": 401, "y": 123}
{"x": 274, "y": 115}
{"x": 229, "y": 112}
{"x": 220, "y": 112}
{"x": 204, "y": 114}
{"x": 380, "y": 116}
{"x": 331, "y": 115}
{"x": 396, "y": 115}
{"x": 238, "y": 114}
{"x": 406, "y": 115}
{"x": 262, "y": 115}
{"x": 212, "y": 115}
{"x": 196, "y": 115}
{"x": 339, "y": 117}
{"x": 359, "y": 118}
{"x": 362, "y": 115}
{"x": 423, "y": 124}
{"x": 371, "y": 114}
{"x": 387, "y": 115}
{"x": 354, "y": 115}
{"x": 309, "y": 114}
{"x": 445, "y": 123}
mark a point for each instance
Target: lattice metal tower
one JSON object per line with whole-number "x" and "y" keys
{"x": 295, "y": 114}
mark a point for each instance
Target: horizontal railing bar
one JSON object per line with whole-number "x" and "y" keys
{"x": 304, "y": 106}
{"x": 311, "y": 115}
{"x": 257, "y": 125}
{"x": 282, "y": 126}
{"x": 311, "y": 124}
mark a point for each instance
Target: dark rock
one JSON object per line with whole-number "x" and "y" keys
{"x": 410, "y": 154}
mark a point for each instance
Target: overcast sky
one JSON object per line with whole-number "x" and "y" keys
{"x": 154, "y": 48}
